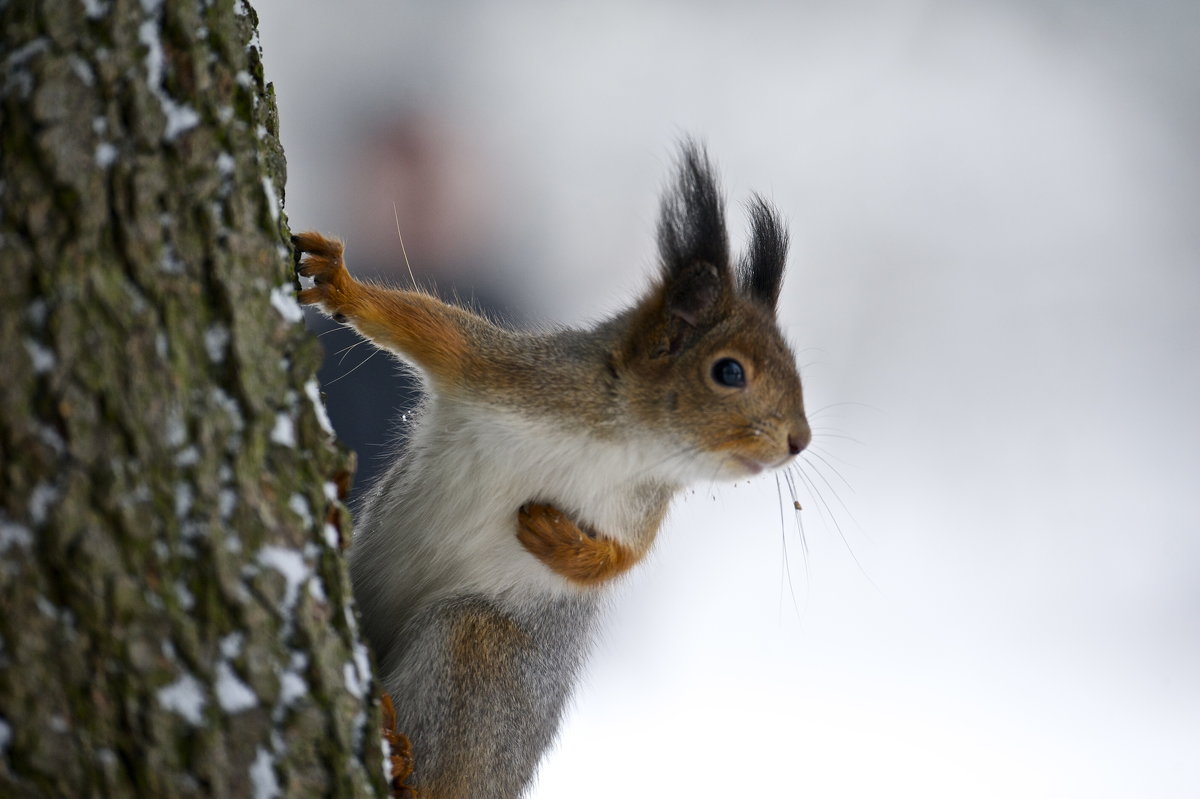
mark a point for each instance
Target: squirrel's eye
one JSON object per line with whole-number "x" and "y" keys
{"x": 728, "y": 372}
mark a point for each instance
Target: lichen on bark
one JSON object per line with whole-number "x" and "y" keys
{"x": 177, "y": 619}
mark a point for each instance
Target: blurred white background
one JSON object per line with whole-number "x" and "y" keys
{"x": 994, "y": 289}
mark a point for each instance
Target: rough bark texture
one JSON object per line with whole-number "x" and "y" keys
{"x": 174, "y": 607}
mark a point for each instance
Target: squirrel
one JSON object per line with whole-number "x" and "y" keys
{"x": 540, "y": 469}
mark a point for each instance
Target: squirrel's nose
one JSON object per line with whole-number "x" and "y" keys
{"x": 799, "y": 438}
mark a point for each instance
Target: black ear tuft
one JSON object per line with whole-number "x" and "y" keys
{"x": 760, "y": 273}
{"x": 691, "y": 228}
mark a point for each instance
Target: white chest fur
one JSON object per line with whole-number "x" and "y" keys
{"x": 444, "y": 522}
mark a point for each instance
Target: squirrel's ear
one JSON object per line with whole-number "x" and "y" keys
{"x": 692, "y": 241}
{"x": 760, "y": 273}
{"x": 694, "y": 292}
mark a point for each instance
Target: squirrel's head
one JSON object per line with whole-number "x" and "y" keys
{"x": 704, "y": 347}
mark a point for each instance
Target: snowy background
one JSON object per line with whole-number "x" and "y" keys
{"x": 995, "y": 294}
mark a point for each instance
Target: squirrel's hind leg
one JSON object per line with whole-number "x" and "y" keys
{"x": 480, "y": 691}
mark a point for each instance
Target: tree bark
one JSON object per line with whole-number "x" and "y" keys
{"x": 175, "y": 614}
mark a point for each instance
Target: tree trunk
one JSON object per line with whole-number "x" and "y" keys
{"x": 175, "y": 613}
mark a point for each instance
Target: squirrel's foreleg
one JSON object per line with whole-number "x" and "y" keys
{"x": 440, "y": 339}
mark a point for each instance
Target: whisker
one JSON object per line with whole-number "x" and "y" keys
{"x": 346, "y": 350}
{"x": 787, "y": 562}
{"x": 823, "y": 508}
{"x": 833, "y": 405}
{"x": 828, "y": 513}
{"x": 836, "y": 496}
{"x": 822, "y": 433}
{"x": 825, "y": 461}
{"x": 360, "y": 363}
{"x": 396, "y": 212}
{"x": 790, "y": 479}
{"x": 799, "y": 517}
{"x": 829, "y": 454}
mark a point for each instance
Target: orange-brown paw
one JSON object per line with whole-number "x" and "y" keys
{"x": 321, "y": 260}
{"x": 546, "y": 531}
{"x": 583, "y": 557}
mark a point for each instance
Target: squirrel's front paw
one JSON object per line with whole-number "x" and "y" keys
{"x": 321, "y": 260}
{"x": 582, "y": 557}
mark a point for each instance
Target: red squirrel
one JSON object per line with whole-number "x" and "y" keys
{"x": 541, "y": 467}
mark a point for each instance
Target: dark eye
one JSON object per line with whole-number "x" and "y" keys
{"x": 728, "y": 372}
